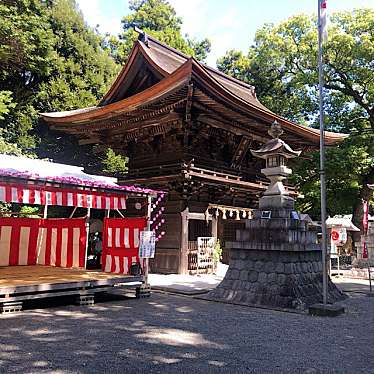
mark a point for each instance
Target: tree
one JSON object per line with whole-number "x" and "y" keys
{"x": 282, "y": 65}
{"x": 50, "y": 60}
{"x": 25, "y": 59}
{"x": 115, "y": 164}
{"x": 158, "y": 19}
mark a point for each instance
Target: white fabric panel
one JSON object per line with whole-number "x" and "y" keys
{"x": 133, "y": 259}
{"x": 115, "y": 202}
{"x": 116, "y": 262}
{"x": 98, "y": 202}
{"x": 125, "y": 265}
{"x": 26, "y": 196}
{"x": 136, "y": 238}
{"x": 127, "y": 238}
{"x": 89, "y": 201}
{"x": 123, "y": 203}
{"x": 5, "y": 236}
{"x": 41, "y": 246}
{"x": 14, "y": 194}
{"x": 37, "y": 197}
{"x": 117, "y": 240}
{"x": 48, "y": 198}
{"x": 59, "y": 198}
{"x": 76, "y": 235}
{"x": 110, "y": 235}
{"x": 108, "y": 264}
{"x": 79, "y": 200}
{"x": 23, "y": 252}
{"x": 64, "y": 247}
{"x": 70, "y": 199}
{"x": 2, "y": 194}
{"x": 53, "y": 246}
{"x": 107, "y": 203}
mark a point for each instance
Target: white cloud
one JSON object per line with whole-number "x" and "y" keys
{"x": 94, "y": 15}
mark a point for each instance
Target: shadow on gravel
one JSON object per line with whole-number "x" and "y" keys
{"x": 175, "y": 334}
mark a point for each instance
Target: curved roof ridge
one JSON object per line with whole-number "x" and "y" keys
{"x": 154, "y": 40}
{"x": 289, "y": 124}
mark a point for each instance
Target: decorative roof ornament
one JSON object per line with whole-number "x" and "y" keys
{"x": 275, "y": 130}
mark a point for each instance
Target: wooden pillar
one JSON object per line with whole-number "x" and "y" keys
{"x": 214, "y": 226}
{"x": 183, "y": 258}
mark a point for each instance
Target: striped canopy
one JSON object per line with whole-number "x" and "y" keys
{"x": 49, "y": 195}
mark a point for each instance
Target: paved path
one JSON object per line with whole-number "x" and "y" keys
{"x": 178, "y": 334}
{"x": 184, "y": 284}
{"x": 352, "y": 284}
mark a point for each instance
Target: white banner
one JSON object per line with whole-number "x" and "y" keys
{"x": 147, "y": 244}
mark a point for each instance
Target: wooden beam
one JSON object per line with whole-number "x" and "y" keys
{"x": 240, "y": 152}
{"x": 221, "y": 124}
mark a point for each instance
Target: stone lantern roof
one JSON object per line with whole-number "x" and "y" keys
{"x": 275, "y": 146}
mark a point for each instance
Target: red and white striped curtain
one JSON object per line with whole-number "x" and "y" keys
{"x": 121, "y": 243}
{"x": 55, "y": 242}
{"x": 45, "y": 195}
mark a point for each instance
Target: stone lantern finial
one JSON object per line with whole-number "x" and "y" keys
{"x": 275, "y": 130}
{"x": 276, "y": 153}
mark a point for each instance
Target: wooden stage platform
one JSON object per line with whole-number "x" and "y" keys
{"x": 20, "y": 283}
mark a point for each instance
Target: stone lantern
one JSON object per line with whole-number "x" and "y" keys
{"x": 276, "y": 153}
{"x": 276, "y": 259}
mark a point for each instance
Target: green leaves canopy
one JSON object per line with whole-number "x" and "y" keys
{"x": 282, "y": 65}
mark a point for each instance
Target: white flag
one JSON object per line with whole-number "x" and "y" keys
{"x": 323, "y": 19}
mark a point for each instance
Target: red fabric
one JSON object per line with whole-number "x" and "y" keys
{"x": 70, "y": 224}
{"x": 19, "y": 239}
{"x": 20, "y": 196}
{"x": 365, "y": 251}
{"x": 365, "y": 218}
{"x": 121, "y": 243}
{"x": 12, "y": 249}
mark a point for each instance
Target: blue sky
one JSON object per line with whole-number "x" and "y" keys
{"x": 227, "y": 23}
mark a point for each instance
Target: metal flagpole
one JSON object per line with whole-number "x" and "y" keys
{"x": 322, "y": 157}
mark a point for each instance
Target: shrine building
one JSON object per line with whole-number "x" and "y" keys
{"x": 187, "y": 129}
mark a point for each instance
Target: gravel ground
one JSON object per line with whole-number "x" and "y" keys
{"x": 177, "y": 334}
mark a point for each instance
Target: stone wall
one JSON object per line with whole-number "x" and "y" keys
{"x": 282, "y": 279}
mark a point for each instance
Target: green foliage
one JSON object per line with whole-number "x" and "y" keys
{"x": 217, "y": 252}
{"x": 8, "y": 148}
{"x": 114, "y": 163}
{"x": 49, "y": 60}
{"x": 201, "y": 48}
{"x": 282, "y": 65}
{"x": 5, "y": 103}
{"x": 158, "y": 19}
{"x": 5, "y": 209}
{"x": 29, "y": 212}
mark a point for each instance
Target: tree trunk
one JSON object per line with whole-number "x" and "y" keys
{"x": 365, "y": 194}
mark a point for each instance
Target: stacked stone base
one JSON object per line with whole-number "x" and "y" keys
{"x": 280, "y": 279}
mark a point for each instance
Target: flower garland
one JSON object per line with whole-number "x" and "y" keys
{"x": 77, "y": 181}
{"x": 156, "y": 221}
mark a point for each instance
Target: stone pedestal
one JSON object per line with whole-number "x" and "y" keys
{"x": 275, "y": 262}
